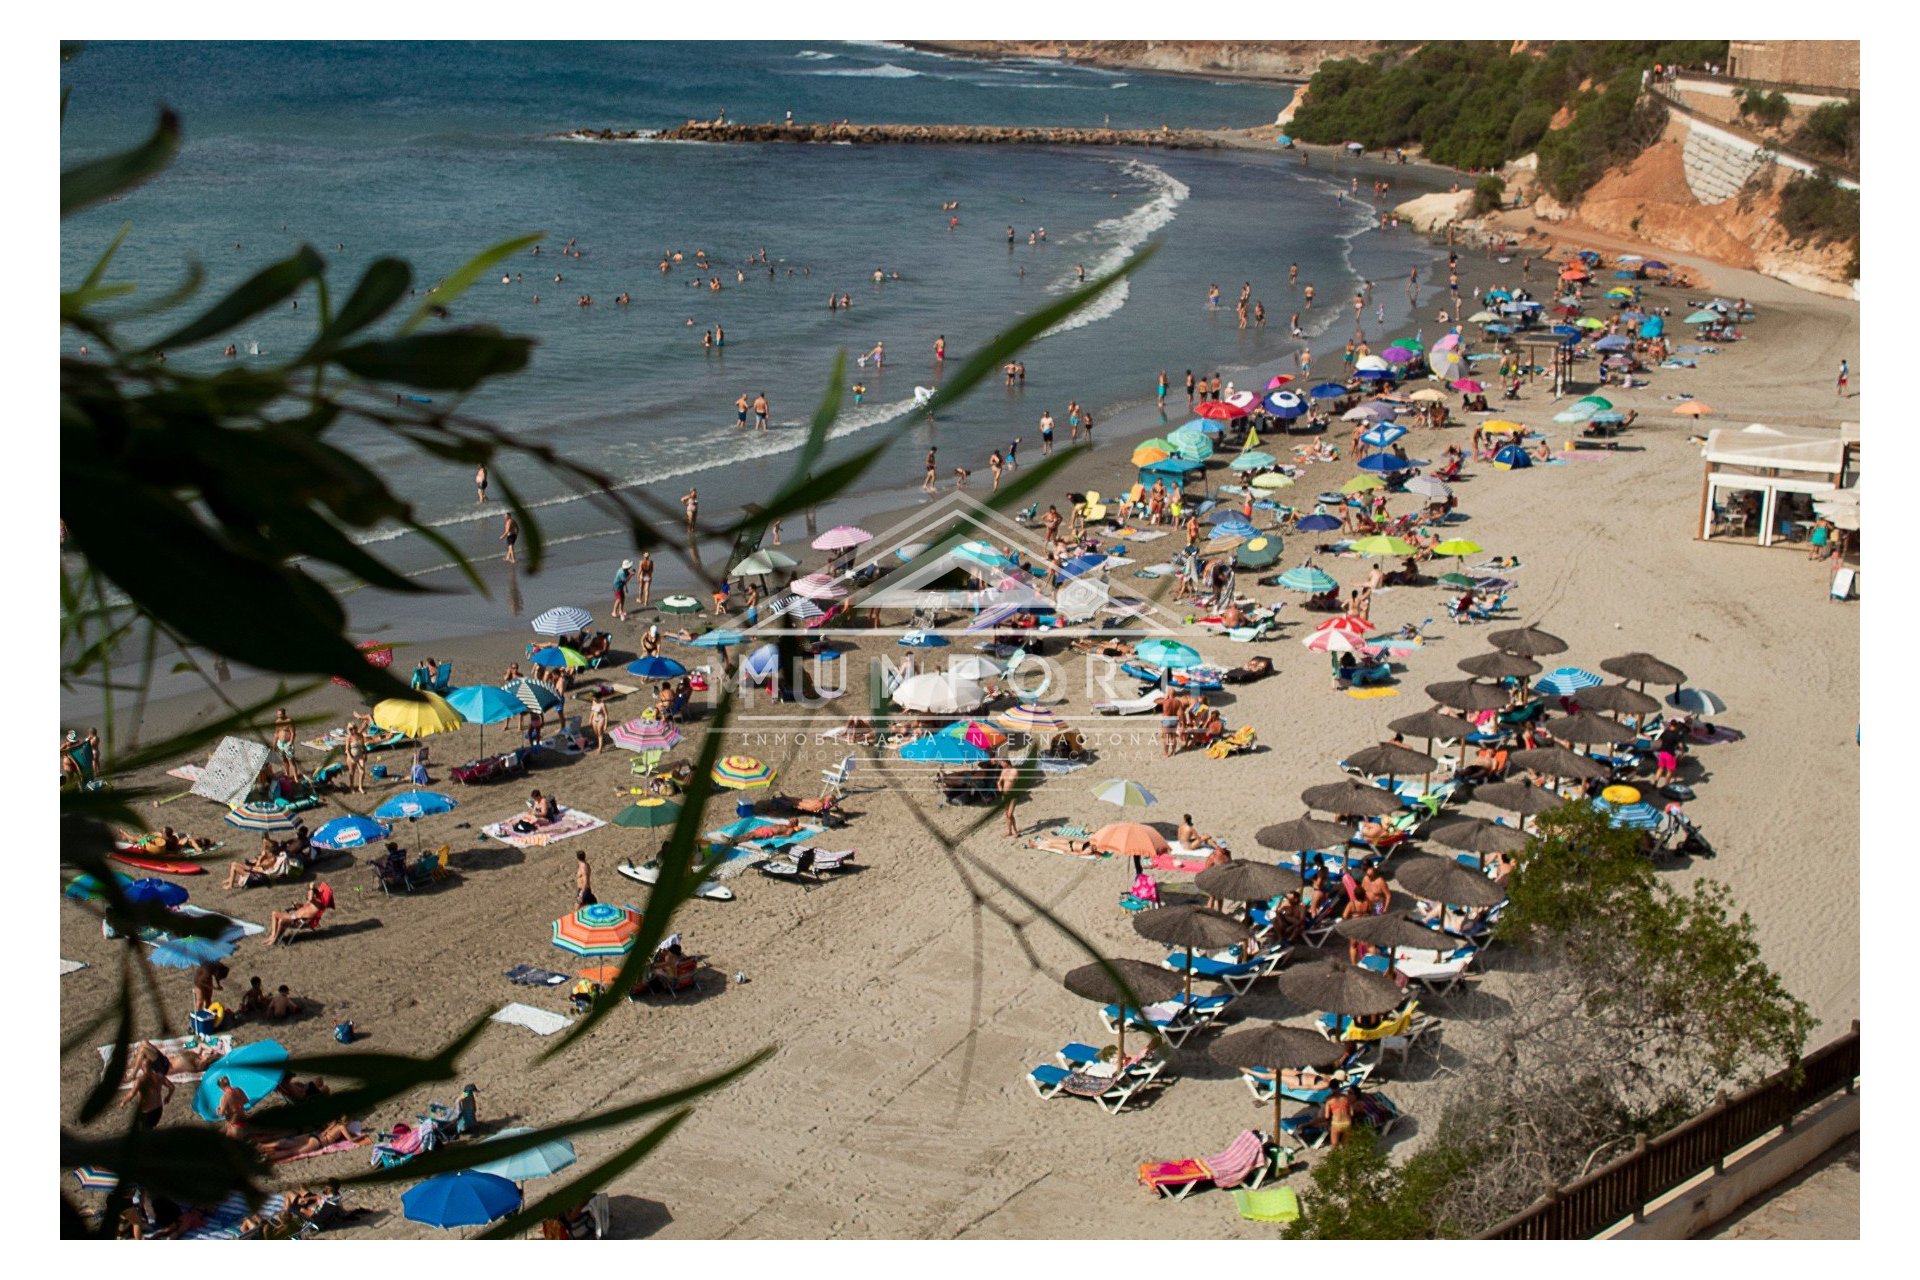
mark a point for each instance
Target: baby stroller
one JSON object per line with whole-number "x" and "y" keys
{"x": 1677, "y": 834}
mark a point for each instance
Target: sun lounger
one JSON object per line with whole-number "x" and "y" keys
{"x": 1260, "y": 1080}
{"x": 1128, "y": 706}
{"x": 1111, "y": 1088}
{"x": 1246, "y": 1162}
{"x": 1437, "y": 976}
{"x": 1238, "y": 975}
{"x": 1175, "y": 1019}
{"x": 1373, "y": 1111}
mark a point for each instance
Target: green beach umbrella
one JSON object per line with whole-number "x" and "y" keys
{"x": 1588, "y": 322}
{"x": 1598, "y": 402}
{"x": 1459, "y": 580}
{"x": 1272, "y": 480}
{"x": 1457, "y": 547}
{"x": 1362, "y": 483}
{"x": 679, "y": 604}
{"x": 654, "y": 811}
{"x": 1379, "y": 545}
{"x": 1260, "y": 553}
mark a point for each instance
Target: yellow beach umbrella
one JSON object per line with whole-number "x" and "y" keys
{"x": 419, "y": 716}
{"x": 1362, "y": 483}
{"x": 1497, "y": 425}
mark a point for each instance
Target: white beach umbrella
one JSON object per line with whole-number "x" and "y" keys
{"x": 560, "y": 621}
{"x": 939, "y": 693}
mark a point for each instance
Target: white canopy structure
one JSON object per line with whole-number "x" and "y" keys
{"x": 1754, "y": 474}
{"x": 231, "y": 773}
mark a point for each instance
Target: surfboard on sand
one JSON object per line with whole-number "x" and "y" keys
{"x": 161, "y": 865}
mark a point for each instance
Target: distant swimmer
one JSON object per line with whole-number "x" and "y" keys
{"x": 1009, "y": 237}
{"x": 940, "y": 347}
{"x": 952, "y": 223}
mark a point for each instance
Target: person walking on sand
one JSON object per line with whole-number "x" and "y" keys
{"x": 583, "y": 881}
{"x": 994, "y": 463}
{"x": 930, "y": 483}
{"x": 646, "y": 579}
{"x": 691, "y": 501}
{"x": 1841, "y": 388}
{"x": 1008, "y": 780}
{"x": 510, "y": 534}
{"x": 1046, "y": 433}
{"x": 480, "y": 483}
{"x": 597, "y": 722}
{"x": 620, "y": 579}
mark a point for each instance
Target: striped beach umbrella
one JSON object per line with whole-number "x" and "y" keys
{"x": 262, "y": 817}
{"x": 599, "y": 930}
{"x": 415, "y": 804}
{"x": 741, "y": 773}
{"x": 350, "y": 832}
{"x": 841, "y": 537}
{"x": 646, "y": 733}
{"x": 558, "y": 655}
{"x": 1169, "y": 655}
{"x": 1334, "y": 640}
{"x": 939, "y": 749}
{"x": 1638, "y": 816}
{"x": 818, "y": 586}
{"x": 1126, "y": 793}
{"x": 1308, "y": 579}
{"x": 790, "y": 605}
{"x": 1430, "y": 487}
{"x": 1699, "y": 702}
{"x": 679, "y": 604}
{"x": 561, "y": 621}
{"x": 1027, "y": 718}
{"x": 93, "y": 1178}
{"x": 531, "y": 694}
{"x": 649, "y": 813}
{"x": 1564, "y": 682}
{"x": 1253, "y": 460}
{"x": 718, "y": 638}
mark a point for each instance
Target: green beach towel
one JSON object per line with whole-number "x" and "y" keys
{"x": 1270, "y": 1204}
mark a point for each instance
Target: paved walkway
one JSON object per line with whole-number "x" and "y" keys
{"x": 1822, "y": 1203}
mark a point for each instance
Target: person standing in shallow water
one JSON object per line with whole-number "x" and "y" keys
{"x": 510, "y": 534}
{"x": 480, "y": 483}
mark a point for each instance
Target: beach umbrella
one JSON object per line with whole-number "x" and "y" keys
{"x": 1303, "y": 834}
{"x": 909, "y": 552}
{"x": 1380, "y": 545}
{"x": 1243, "y": 880}
{"x": 1028, "y": 718}
{"x": 1345, "y": 622}
{"x": 417, "y": 716}
{"x": 465, "y": 1199}
{"x": 1285, "y": 405}
{"x": 1391, "y": 760}
{"x": 818, "y": 586}
{"x": 1576, "y": 412}
{"x": 647, "y": 814}
{"x": 1194, "y": 448}
{"x": 1279, "y": 380}
{"x": 531, "y": 694}
{"x": 562, "y": 621}
{"x": 1129, "y": 840}
{"x": 741, "y": 773}
{"x": 1644, "y": 669}
{"x": 841, "y": 537}
{"x": 679, "y": 604}
{"x": 601, "y": 929}
{"x": 1334, "y": 986}
{"x": 1637, "y": 815}
{"x": 1316, "y": 523}
{"x": 1260, "y": 553}
{"x": 1697, "y": 702}
{"x": 1468, "y": 695}
{"x": 1382, "y": 434}
{"x": 1705, "y": 315}
{"x": 378, "y": 653}
{"x": 1459, "y": 548}
{"x": 1613, "y": 343}
{"x": 718, "y": 638}
{"x": 350, "y": 832}
{"x": 1350, "y": 797}
{"x": 1326, "y": 391}
{"x": 187, "y": 952}
{"x": 558, "y": 655}
{"x": 1468, "y": 385}
{"x": 541, "y": 1161}
{"x": 1272, "y": 480}
{"x": 763, "y": 562}
{"x": 1397, "y": 355}
{"x": 1221, "y": 410}
{"x": 1253, "y": 461}
{"x": 1139, "y": 984}
{"x": 655, "y": 668}
{"x": 939, "y": 693}
{"x": 1444, "y": 880}
{"x": 93, "y": 1178}
{"x": 1528, "y": 642}
{"x": 1192, "y": 929}
{"x": 1126, "y": 793}
{"x": 1478, "y": 836}
{"x": 1564, "y": 682}
{"x": 262, "y": 817}
{"x": 1498, "y": 666}
{"x": 1395, "y": 928}
{"x": 1620, "y": 700}
{"x": 1277, "y": 1049}
{"x": 1223, "y": 518}
{"x": 1652, "y": 327}
{"x": 1370, "y": 364}
{"x": 1361, "y": 484}
{"x": 1308, "y": 579}
{"x": 1520, "y": 798}
{"x": 1482, "y": 317}
{"x": 1431, "y": 725}
{"x": 1558, "y": 762}
{"x": 1584, "y": 729}
{"x": 645, "y": 733}
{"x": 1146, "y": 456}
{"x": 1169, "y": 655}
{"x": 484, "y": 704}
{"x": 256, "y": 1070}
{"x": 1333, "y": 640}
{"x": 1460, "y": 582}
{"x": 414, "y": 804}
{"x": 941, "y": 749}
{"x": 151, "y": 891}
{"x": 923, "y": 640}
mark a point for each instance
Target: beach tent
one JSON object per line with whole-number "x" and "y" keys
{"x": 1173, "y": 472}
{"x": 231, "y": 773}
{"x": 1512, "y": 458}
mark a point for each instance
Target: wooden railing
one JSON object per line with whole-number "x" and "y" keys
{"x": 1626, "y": 1186}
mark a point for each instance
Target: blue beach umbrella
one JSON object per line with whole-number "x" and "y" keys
{"x": 350, "y": 832}
{"x": 1207, "y": 426}
{"x": 1316, "y": 524}
{"x": 940, "y": 749}
{"x": 1285, "y": 404}
{"x": 256, "y": 1070}
{"x": 542, "y": 1161}
{"x": 1375, "y": 375}
{"x": 923, "y": 640}
{"x": 1383, "y": 435}
{"x": 1308, "y": 579}
{"x": 718, "y": 638}
{"x": 484, "y": 704}
{"x": 1169, "y": 655}
{"x": 1387, "y": 463}
{"x": 163, "y": 893}
{"x": 655, "y": 668}
{"x": 1612, "y": 342}
{"x": 1566, "y": 681}
{"x": 761, "y": 663}
{"x": 558, "y": 656}
{"x": 1326, "y": 391}
{"x": 1253, "y": 460}
{"x": 415, "y": 804}
{"x": 188, "y": 953}
{"x": 1639, "y": 816}
{"x": 467, "y": 1198}
{"x": 1653, "y": 327}
{"x": 531, "y": 694}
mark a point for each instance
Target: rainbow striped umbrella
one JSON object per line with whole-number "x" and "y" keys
{"x": 1027, "y": 718}
{"x": 263, "y": 817}
{"x": 646, "y": 733}
{"x": 599, "y": 930}
{"x": 740, "y": 773}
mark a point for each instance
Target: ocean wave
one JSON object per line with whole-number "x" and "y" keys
{"x": 1123, "y": 84}
{"x": 769, "y": 444}
{"x": 1128, "y": 233}
{"x": 885, "y": 71}
{"x": 816, "y": 55}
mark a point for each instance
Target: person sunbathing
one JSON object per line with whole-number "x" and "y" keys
{"x": 1078, "y": 848}
{"x": 306, "y": 1144}
{"x": 816, "y": 805}
{"x": 297, "y": 917}
{"x": 270, "y": 863}
{"x": 1373, "y": 831}
{"x": 1101, "y": 648}
{"x": 773, "y": 830}
{"x": 300, "y": 1090}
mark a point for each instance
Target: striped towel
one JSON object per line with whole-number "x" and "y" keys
{"x": 223, "y": 1220}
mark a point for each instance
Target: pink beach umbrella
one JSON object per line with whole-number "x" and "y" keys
{"x": 646, "y": 734}
{"x": 841, "y": 537}
{"x": 1279, "y": 380}
{"x": 1469, "y": 386}
{"x": 818, "y": 586}
{"x": 1334, "y": 640}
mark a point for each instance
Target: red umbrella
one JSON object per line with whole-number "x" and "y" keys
{"x": 379, "y": 654}
{"x": 1345, "y": 622}
{"x": 1279, "y": 380}
{"x": 1221, "y": 411}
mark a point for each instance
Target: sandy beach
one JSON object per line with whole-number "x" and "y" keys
{"x": 905, "y": 1013}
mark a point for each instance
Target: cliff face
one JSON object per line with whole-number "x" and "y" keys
{"x": 1295, "y": 60}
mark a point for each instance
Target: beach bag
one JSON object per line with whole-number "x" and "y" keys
{"x": 343, "y": 1032}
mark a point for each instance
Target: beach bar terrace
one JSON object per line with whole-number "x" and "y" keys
{"x": 1762, "y": 483}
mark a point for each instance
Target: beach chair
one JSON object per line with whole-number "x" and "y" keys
{"x": 311, "y": 924}
{"x": 1112, "y": 1088}
{"x": 1437, "y": 977}
{"x": 1351, "y": 1070}
{"x": 1269, "y": 1204}
{"x": 1238, "y": 975}
{"x": 1175, "y": 1019}
{"x": 1128, "y": 706}
{"x": 1380, "y": 672}
{"x": 836, "y": 778}
{"x": 1373, "y": 1111}
{"x": 1240, "y": 740}
{"x": 1246, "y": 1162}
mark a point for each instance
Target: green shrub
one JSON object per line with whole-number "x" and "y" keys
{"x": 1489, "y": 193}
{"x": 1832, "y": 132}
{"x": 1762, "y": 107}
{"x": 1818, "y": 208}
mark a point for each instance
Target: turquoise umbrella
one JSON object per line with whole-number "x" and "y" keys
{"x": 483, "y": 704}
{"x": 1308, "y": 579}
{"x": 256, "y": 1070}
{"x": 541, "y": 1161}
{"x": 1169, "y": 655}
{"x": 1254, "y": 461}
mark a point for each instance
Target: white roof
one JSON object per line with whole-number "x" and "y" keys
{"x": 1775, "y": 450}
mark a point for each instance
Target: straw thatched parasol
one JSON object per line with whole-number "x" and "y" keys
{"x": 1477, "y": 835}
{"x": 1391, "y": 760}
{"x": 1645, "y": 669}
{"x": 1334, "y": 986}
{"x": 1519, "y": 797}
{"x": 1280, "y": 1049}
{"x": 1468, "y": 695}
{"x": 1145, "y": 984}
{"x": 1498, "y": 666}
{"x": 1243, "y": 880}
{"x": 1558, "y": 762}
{"x": 1585, "y": 728}
{"x": 1618, "y": 699}
{"x": 1443, "y": 880}
{"x": 1431, "y": 725}
{"x": 1351, "y": 797}
{"x": 1303, "y": 833}
{"x": 1191, "y": 929}
{"x": 1527, "y": 642}
{"x": 1395, "y": 929}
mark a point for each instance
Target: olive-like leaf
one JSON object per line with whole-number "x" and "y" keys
{"x": 381, "y": 285}
{"x": 97, "y": 180}
{"x": 266, "y": 288}
{"x": 456, "y": 360}
{"x": 456, "y": 284}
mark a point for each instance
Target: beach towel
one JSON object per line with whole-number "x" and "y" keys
{"x": 185, "y": 772}
{"x": 1174, "y": 862}
{"x": 237, "y": 929}
{"x": 1155, "y": 571}
{"x": 1366, "y": 695}
{"x": 360, "y": 1138}
{"x": 538, "y": 1021}
{"x": 1270, "y": 1204}
{"x": 1143, "y": 535}
{"x": 1049, "y": 765}
{"x": 223, "y": 1044}
{"x": 71, "y": 966}
{"x": 738, "y": 860}
{"x": 224, "y": 1219}
{"x": 570, "y": 823}
{"x": 527, "y": 975}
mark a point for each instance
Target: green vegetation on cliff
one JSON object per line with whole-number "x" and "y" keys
{"x": 1478, "y": 104}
